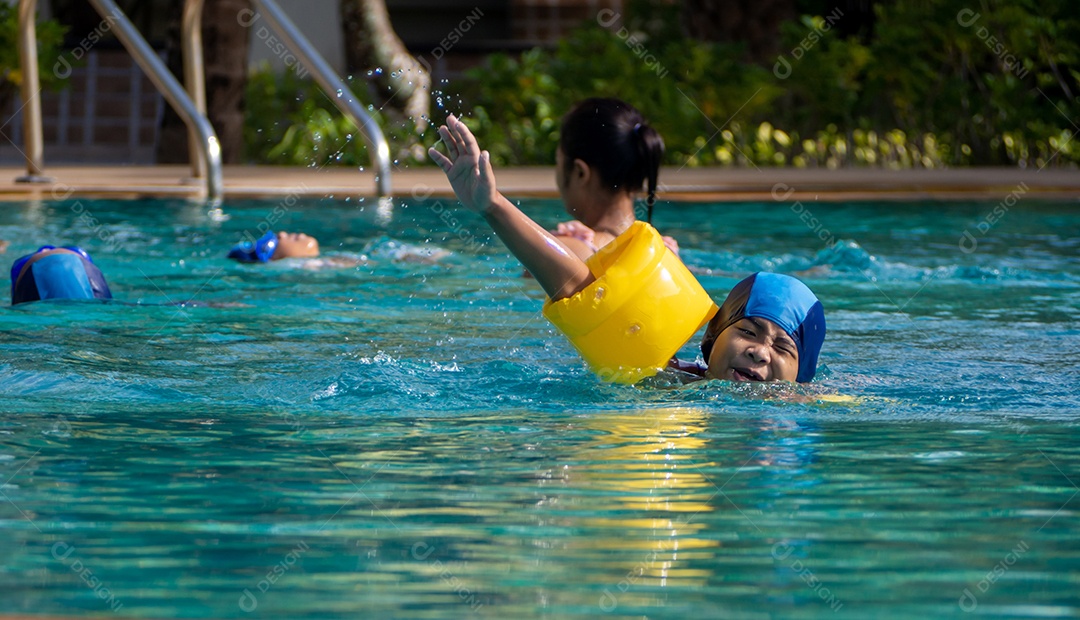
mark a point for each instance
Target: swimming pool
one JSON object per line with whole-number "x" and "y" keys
{"x": 410, "y": 438}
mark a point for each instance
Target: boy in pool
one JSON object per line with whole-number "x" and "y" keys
{"x": 275, "y": 246}
{"x": 607, "y": 152}
{"x": 769, "y": 328}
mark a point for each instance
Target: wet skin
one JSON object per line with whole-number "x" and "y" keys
{"x": 754, "y": 349}
{"x": 295, "y": 245}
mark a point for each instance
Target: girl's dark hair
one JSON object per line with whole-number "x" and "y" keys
{"x": 613, "y": 138}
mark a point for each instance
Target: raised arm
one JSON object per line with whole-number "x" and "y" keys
{"x": 560, "y": 272}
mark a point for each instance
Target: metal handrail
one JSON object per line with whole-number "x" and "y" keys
{"x": 194, "y": 73}
{"x": 205, "y": 149}
{"x": 33, "y": 141}
{"x": 162, "y": 78}
{"x": 209, "y": 149}
{"x": 334, "y": 87}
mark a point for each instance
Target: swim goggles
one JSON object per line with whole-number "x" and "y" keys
{"x": 261, "y": 251}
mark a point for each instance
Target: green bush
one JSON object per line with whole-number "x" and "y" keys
{"x": 290, "y": 121}
{"x": 929, "y": 87}
{"x": 936, "y": 67}
{"x": 515, "y": 104}
{"x": 50, "y": 36}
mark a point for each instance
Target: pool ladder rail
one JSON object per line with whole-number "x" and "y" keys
{"x": 190, "y": 104}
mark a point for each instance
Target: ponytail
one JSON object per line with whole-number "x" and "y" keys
{"x": 650, "y": 148}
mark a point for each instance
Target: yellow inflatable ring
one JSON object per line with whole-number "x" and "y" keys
{"x": 644, "y": 305}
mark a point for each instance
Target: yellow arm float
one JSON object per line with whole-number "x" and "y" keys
{"x": 644, "y": 305}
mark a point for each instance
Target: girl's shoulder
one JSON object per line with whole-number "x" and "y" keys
{"x": 577, "y": 237}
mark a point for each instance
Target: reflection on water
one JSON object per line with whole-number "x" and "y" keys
{"x": 648, "y": 468}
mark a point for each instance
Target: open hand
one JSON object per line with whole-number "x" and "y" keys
{"x": 467, "y": 167}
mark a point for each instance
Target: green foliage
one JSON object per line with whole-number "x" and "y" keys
{"x": 977, "y": 74}
{"x": 825, "y": 82}
{"x": 290, "y": 121}
{"x": 935, "y": 83}
{"x": 828, "y": 148}
{"x": 517, "y": 103}
{"x": 517, "y": 108}
{"x": 993, "y": 81}
{"x": 50, "y": 36}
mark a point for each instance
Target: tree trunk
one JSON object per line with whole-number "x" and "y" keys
{"x": 225, "y": 54}
{"x": 756, "y": 23}
{"x": 371, "y": 43}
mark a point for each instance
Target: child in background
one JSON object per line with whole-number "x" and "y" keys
{"x": 280, "y": 245}
{"x": 57, "y": 273}
{"x": 275, "y": 246}
{"x": 607, "y": 153}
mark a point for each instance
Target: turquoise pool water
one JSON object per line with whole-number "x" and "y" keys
{"x": 409, "y": 438}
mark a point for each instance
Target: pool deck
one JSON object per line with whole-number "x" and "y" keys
{"x": 698, "y": 184}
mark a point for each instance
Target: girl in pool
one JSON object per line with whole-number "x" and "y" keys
{"x": 606, "y": 154}
{"x": 769, "y": 328}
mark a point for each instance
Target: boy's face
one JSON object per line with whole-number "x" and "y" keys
{"x": 753, "y": 349}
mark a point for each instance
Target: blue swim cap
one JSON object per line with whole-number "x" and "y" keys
{"x": 783, "y": 300}
{"x": 57, "y": 276}
{"x": 261, "y": 251}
